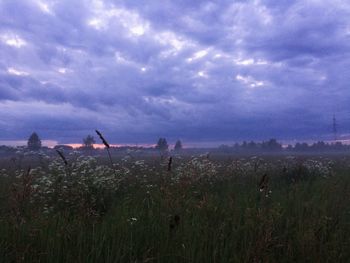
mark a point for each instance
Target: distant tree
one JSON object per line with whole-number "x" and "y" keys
{"x": 319, "y": 146}
{"x": 301, "y": 147}
{"x": 178, "y": 146}
{"x": 162, "y": 144}
{"x": 289, "y": 148}
{"x": 88, "y": 142}
{"x": 338, "y": 146}
{"x": 252, "y": 146}
{"x": 272, "y": 145}
{"x": 224, "y": 147}
{"x": 34, "y": 142}
{"x": 5, "y": 150}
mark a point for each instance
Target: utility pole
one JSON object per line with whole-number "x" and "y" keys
{"x": 335, "y": 128}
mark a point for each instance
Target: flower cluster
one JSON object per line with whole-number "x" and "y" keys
{"x": 85, "y": 186}
{"x": 197, "y": 169}
{"x": 82, "y": 187}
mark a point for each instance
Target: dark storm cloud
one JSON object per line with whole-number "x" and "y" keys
{"x": 196, "y": 70}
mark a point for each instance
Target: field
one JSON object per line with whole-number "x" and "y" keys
{"x": 194, "y": 209}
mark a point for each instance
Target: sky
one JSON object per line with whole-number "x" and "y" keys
{"x": 200, "y": 71}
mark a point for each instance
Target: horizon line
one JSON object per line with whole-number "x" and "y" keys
{"x": 204, "y": 144}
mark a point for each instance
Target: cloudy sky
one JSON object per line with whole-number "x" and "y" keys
{"x": 202, "y": 71}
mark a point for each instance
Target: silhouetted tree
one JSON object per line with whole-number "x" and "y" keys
{"x": 5, "y": 150}
{"x": 271, "y": 145}
{"x": 224, "y": 148}
{"x": 34, "y": 142}
{"x": 88, "y": 142}
{"x": 162, "y": 144}
{"x": 301, "y": 147}
{"x": 289, "y": 148}
{"x": 252, "y": 146}
{"x": 178, "y": 146}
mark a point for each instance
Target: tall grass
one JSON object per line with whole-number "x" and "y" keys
{"x": 156, "y": 215}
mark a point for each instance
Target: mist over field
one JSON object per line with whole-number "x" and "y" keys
{"x": 174, "y": 131}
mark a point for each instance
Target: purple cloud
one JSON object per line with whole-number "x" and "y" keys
{"x": 196, "y": 70}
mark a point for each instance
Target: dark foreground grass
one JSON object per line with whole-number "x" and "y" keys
{"x": 223, "y": 221}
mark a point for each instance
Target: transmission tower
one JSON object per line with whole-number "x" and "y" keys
{"x": 335, "y": 128}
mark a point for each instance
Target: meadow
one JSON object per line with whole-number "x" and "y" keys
{"x": 193, "y": 209}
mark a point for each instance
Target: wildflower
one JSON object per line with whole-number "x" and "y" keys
{"x": 132, "y": 220}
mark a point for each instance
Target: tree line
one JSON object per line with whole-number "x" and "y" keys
{"x": 34, "y": 144}
{"x": 272, "y": 145}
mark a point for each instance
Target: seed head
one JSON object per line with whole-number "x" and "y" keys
{"x": 169, "y": 163}
{"x": 103, "y": 139}
{"x": 263, "y": 182}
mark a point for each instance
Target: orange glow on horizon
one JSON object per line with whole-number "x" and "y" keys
{"x": 101, "y": 146}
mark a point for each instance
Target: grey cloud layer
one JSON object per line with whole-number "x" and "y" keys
{"x": 196, "y": 70}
